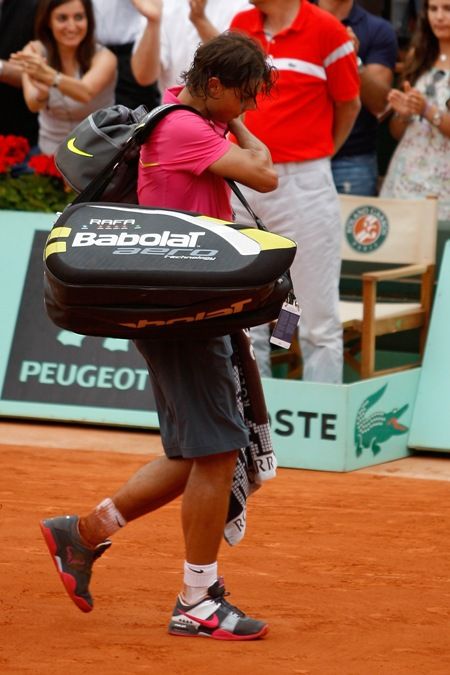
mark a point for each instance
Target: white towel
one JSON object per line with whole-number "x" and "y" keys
{"x": 256, "y": 463}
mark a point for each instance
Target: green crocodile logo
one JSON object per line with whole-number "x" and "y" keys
{"x": 378, "y": 427}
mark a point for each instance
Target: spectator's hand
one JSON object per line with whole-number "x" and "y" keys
{"x": 353, "y": 38}
{"x": 33, "y": 47}
{"x": 151, "y": 9}
{"x": 407, "y": 102}
{"x": 197, "y": 10}
{"x": 398, "y": 100}
{"x": 416, "y": 100}
{"x": 34, "y": 65}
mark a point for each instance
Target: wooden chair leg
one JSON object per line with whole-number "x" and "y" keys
{"x": 368, "y": 329}
{"x": 291, "y": 358}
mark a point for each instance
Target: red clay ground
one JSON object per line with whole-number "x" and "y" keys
{"x": 351, "y": 570}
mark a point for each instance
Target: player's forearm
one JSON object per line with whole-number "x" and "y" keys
{"x": 248, "y": 141}
{"x": 345, "y": 114}
{"x": 145, "y": 61}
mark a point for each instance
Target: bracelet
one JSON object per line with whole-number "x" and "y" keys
{"x": 57, "y": 79}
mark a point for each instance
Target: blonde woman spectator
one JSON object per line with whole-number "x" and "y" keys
{"x": 66, "y": 75}
{"x": 420, "y": 165}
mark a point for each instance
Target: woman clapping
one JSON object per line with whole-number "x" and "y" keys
{"x": 66, "y": 74}
{"x": 420, "y": 166}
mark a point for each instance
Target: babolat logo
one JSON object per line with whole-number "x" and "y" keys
{"x": 366, "y": 228}
{"x": 166, "y": 238}
{"x": 234, "y": 308}
{"x": 166, "y": 243}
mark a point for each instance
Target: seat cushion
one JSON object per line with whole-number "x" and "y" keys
{"x": 353, "y": 310}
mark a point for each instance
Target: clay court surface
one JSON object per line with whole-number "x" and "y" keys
{"x": 352, "y": 571}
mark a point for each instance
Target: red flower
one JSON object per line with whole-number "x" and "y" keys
{"x": 13, "y": 150}
{"x": 44, "y": 165}
{"x": 4, "y": 166}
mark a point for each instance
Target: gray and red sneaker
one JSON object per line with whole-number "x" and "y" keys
{"x": 72, "y": 559}
{"x": 214, "y": 617}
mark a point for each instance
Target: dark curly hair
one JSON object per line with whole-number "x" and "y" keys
{"x": 238, "y": 61}
{"x": 85, "y": 50}
{"x": 424, "y": 48}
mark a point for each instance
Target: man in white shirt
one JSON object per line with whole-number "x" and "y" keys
{"x": 173, "y": 31}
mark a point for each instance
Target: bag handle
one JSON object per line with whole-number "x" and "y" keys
{"x": 260, "y": 225}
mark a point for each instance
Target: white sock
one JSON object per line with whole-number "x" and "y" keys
{"x": 197, "y": 580}
{"x": 109, "y": 518}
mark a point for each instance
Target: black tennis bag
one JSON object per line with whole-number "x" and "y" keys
{"x": 120, "y": 270}
{"x": 125, "y": 271}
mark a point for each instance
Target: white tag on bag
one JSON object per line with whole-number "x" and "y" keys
{"x": 286, "y": 324}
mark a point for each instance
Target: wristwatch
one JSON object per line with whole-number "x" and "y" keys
{"x": 436, "y": 118}
{"x": 57, "y": 79}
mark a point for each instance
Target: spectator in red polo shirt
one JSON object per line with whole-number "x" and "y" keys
{"x": 304, "y": 123}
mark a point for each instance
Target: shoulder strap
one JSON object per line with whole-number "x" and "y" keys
{"x": 259, "y": 223}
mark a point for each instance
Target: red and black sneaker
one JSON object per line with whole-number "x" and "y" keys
{"x": 72, "y": 559}
{"x": 214, "y": 617}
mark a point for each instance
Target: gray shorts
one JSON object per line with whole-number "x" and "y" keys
{"x": 195, "y": 394}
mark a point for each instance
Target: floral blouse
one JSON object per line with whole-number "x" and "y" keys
{"x": 420, "y": 165}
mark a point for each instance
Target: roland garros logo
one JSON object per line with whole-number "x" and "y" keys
{"x": 366, "y": 228}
